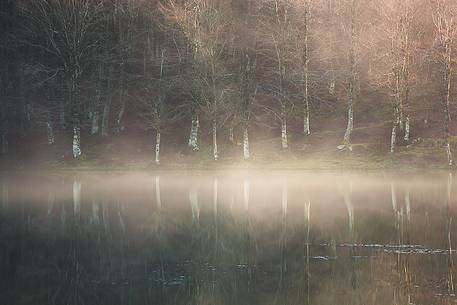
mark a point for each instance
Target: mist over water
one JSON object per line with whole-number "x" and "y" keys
{"x": 228, "y": 238}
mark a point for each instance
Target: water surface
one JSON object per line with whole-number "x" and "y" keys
{"x": 227, "y": 238}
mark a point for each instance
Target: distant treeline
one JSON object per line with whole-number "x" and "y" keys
{"x": 85, "y": 65}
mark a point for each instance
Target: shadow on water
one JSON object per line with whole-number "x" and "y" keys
{"x": 232, "y": 238}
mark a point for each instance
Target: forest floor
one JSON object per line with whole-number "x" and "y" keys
{"x": 315, "y": 152}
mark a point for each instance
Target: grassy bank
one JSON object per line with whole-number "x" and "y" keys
{"x": 265, "y": 155}
{"x": 315, "y": 152}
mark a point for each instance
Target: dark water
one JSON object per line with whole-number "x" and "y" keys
{"x": 227, "y": 238}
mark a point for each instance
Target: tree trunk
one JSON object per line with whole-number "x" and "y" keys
{"x": 62, "y": 118}
{"x": 447, "y": 87}
{"x": 193, "y": 137}
{"x": 352, "y": 80}
{"x": 396, "y": 121}
{"x": 107, "y": 106}
{"x": 231, "y": 134}
{"x": 119, "y": 124}
{"x": 122, "y": 92}
{"x": 75, "y": 106}
{"x": 407, "y": 129}
{"x": 23, "y": 108}
{"x": 350, "y": 125}
{"x": 284, "y": 142}
{"x": 50, "y": 132}
{"x": 449, "y": 154}
{"x": 105, "y": 118}
{"x": 5, "y": 144}
{"x": 95, "y": 123}
{"x": 246, "y": 152}
{"x": 76, "y": 141}
{"x": 393, "y": 138}
{"x": 215, "y": 152}
{"x": 306, "y": 123}
{"x": 306, "y": 118}
{"x": 157, "y": 147}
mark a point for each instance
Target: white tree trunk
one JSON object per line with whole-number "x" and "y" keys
{"x": 450, "y": 160}
{"x": 306, "y": 123}
{"x": 246, "y": 152}
{"x": 105, "y": 118}
{"x": 284, "y": 142}
{"x": 331, "y": 87}
{"x": 407, "y": 129}
{"x": 352, "y": 80}
{"x": 119, "y": 125}
{"x": 231, "y": 135}
{"x": 306, "y": 119}
{"x": 393, "y": 138}
{"x": 157, "y": 147}
{"x": 215, "y": 152}
{"x": 76, "y": 142}
{"x": 95, "y": 124}
{"x": 350, "y": 126}
{"x": 50, "y": 133}
{"x": 193, "y": 137}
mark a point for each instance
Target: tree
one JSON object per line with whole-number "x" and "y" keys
{"x": 400, "y": 23}
{"x": 277, "y": 50}
{"x": 245, "y": 64}
{"x": 155, "y": 108}
{"x": 352, "y": 76}
{"x": 303, "y": 46}
{"x": 66, "y": 30}
{"x": 205, "y": 27}
{"x": 444, "y": 17}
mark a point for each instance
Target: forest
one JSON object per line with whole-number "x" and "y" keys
{"x": 212, "y": 78}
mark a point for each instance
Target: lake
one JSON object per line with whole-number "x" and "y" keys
{"x": 228, "y": 238}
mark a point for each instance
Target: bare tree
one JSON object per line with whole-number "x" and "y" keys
{"x": 276, "y": 44}
{"x": 66, "y": 30}
{"x": 245, "y": 63}
{"x": 352, "y": 76}
{"x": 304, "y": 31}
{"x": 398, "y": 24}
{"x": 444, "y": 17}
{"x": 155, "y": 108}
{"x": 205, "y": 26}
